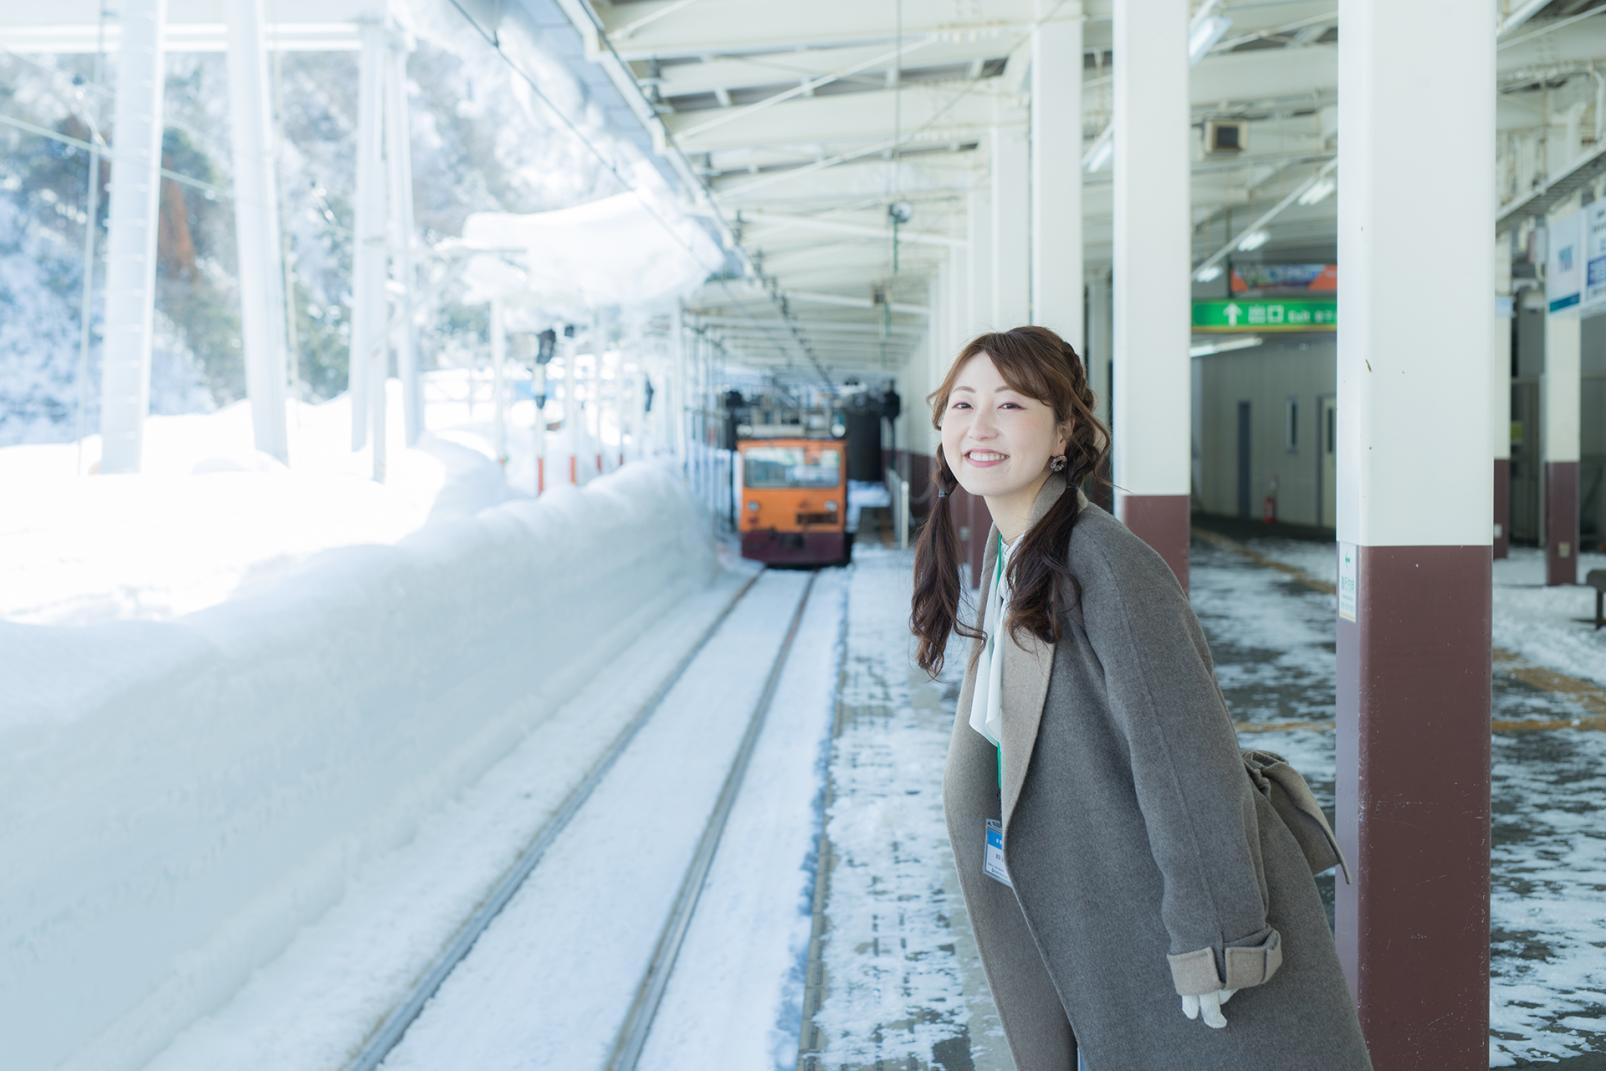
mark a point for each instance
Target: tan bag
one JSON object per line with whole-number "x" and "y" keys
{"x": 1293, "y": 801}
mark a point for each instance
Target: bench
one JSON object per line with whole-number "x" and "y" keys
{"x": 1596, "y": 578}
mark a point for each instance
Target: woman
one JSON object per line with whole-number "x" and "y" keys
{"x": 1134, "y": 880}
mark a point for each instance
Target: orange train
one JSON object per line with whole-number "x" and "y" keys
{"x": 794, "y": 500}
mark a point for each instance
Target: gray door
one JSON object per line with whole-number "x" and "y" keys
{"x": 1245, "y": 496}
{"x": 1527, "y": 467}
{"x": 1326, "y": 461}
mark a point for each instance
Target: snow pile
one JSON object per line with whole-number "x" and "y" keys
{"x": 181, "y": 796}
{"x": 210, "y": 518}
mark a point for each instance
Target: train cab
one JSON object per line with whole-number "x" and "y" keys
{"x": 794, "y": 500}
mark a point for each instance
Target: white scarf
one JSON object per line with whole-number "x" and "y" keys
{"x": 986, "y": 708}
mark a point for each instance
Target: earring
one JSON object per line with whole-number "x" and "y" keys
{"x": 1057, "y": 463}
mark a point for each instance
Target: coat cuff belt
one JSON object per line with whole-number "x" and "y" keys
{"x": 1195, "y": 972}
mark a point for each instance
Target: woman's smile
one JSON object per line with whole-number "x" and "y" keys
{"x": 985, "y": 459}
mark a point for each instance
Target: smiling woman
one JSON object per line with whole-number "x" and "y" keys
{"x": 1114, "y": 855}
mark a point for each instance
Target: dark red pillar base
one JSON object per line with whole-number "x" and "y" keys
{"x": 1163, "y": 522}
{"x": 1413, "y": 804}
{"x": 1561, "y": 522}
{"x": 1502, "y": 507}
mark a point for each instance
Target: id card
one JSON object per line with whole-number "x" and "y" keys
{"x": 993, "y": 859}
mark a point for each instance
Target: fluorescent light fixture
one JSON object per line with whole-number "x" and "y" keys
{"x": 1203, "y": 35}
{"x": 1223, "y": 345}
{"x": 1099, "y": 153}
{"x": 1207, "y": 274}
{"x": 1253, "y": 240}
{"x": 1318, "y": 191}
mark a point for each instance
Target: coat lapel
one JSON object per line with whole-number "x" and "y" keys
{"x": 1028, "y": 663}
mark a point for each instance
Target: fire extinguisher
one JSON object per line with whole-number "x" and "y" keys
{"x": 1268, "y": 507}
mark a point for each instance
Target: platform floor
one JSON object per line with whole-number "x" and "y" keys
{"x": 896, "y": 982}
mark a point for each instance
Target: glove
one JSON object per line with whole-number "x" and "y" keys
{"x": 1211, "y": 1003}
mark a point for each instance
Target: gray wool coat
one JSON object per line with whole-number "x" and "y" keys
{"x": 1144, "y": 863}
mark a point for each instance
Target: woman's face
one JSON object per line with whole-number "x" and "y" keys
{"x": 997, "y": 440}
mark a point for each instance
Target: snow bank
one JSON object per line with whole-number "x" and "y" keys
{"x": 181, "y": 796}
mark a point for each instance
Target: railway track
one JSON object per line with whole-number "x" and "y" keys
{"x": 636, "y": 1025}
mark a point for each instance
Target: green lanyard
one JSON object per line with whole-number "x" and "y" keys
{"x": 999, "y": 638}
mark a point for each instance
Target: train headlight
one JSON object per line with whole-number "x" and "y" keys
{"x": 830, "y": 504}
{"x": 752, "y": 504}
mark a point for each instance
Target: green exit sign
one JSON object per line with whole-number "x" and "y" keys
{"x": 1273, "y": 314}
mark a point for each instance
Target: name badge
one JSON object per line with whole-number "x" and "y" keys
{"x": 992, "y": 863}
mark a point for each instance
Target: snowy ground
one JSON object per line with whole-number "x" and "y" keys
{"x": 902, "y": 986}
{"x": 1547, "y": 626}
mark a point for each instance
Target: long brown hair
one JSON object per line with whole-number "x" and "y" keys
{"x": 1039, "y": 364}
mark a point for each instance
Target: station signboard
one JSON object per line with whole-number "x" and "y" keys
{"x": 1266, "y": 314}
{"x": 1564, "y": 261}
{"x": 1593, "y": 294}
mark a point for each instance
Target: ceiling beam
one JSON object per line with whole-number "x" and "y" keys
{"x": 736, "y": 27}
{"x": 793, "y": 68}
{"x": 924, "y": 114}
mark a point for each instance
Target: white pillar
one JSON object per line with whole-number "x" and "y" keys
{"x": 1560, "y": 389}
{"x": 1099, "y": 342}
{"x": 369, "y": 345}
{"x": 1152, "y": 286}
{"x": 979, "y": 301}
{"x": 498, "y": 383}
{"x": 1057, "y": 174}
{"x": 1413, "y": 436}
{"x": 672, "y": 396}
{"x": 594, "y": 431}
{"x": 256, "y": 227}
{"x": 125, "y": 378}
{"x": 1011, "y": 208}
{"x": 1414, "y": 501}
{"x": 958, "y": 304}
{"x": 1500, "y": 393}
{"x": 917, "y": 414}
{"x": 399, "y": 173}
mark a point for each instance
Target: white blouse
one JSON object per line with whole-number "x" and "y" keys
{"x": 986, "y": 713}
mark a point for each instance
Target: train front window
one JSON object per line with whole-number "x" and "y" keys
{"x": 791, "y": 466}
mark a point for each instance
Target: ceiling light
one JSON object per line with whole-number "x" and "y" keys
{"x": 1207, "y": 274}
{"x": 1205, "y": 349}
{"x": 1253, "y": 240}
{"x": 1318, "y": 191}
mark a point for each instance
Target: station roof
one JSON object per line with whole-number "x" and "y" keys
{"x": 805, "y": 121}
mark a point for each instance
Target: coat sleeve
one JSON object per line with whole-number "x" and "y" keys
{"x": 1191, "y": 785}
